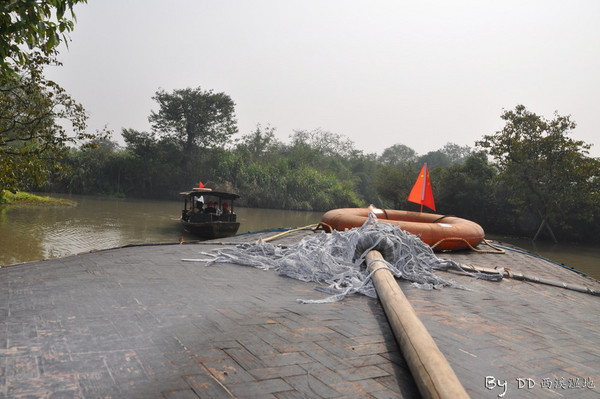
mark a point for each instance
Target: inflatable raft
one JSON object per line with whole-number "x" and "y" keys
{"x": 442, "y": 233}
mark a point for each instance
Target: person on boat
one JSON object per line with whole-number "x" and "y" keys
{"x": 198, "y": 207}
{"x": 226, "y": 210}
{"x": 210, "y": 208}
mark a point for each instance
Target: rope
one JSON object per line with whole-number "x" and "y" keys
{"x": 310, "y": 226}
{"x": 498, "y": 250}
{"x": 534, "y": 279}
{"x": 495, "y": 251}
{"x": 442, "y": 217}
{"x": 323, "y": 226}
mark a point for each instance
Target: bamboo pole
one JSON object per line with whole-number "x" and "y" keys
{"x": 432, "y": 372}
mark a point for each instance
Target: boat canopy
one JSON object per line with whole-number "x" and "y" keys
{"x": 209, "y": 193}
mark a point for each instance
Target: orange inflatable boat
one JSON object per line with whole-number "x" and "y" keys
{"x": 442, "y": 233}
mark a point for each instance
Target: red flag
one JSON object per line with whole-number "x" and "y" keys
{"x": 421, "y": 192}
{"x": 200, "y": 185}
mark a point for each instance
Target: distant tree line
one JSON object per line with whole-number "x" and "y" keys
{"x": 530, "y": 176}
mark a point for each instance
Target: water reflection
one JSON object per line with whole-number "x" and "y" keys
{"x": 263, "y": 219}
{"x": 29, "y": 233}
{"x": 16, "y": 239}
{"x": 584, "y": 258}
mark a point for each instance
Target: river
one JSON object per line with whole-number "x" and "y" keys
{"x": 30, "y": 233}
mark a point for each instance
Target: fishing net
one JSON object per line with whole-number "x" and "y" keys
{"x": 336, "y": 261}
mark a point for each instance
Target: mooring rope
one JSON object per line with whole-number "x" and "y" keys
{"x": 495, "y": 251}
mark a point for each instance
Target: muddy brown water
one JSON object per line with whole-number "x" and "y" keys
{"x": 30, "y": 233}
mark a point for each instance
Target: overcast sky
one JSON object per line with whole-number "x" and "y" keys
{"x": 419, "y": 73}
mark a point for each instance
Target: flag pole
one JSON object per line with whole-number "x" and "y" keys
{"x": 424, "y": 185}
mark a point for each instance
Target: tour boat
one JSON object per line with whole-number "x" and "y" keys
{"x": 209, "y": 214}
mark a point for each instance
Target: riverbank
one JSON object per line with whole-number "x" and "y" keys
{"x": 23, "y": 198}
{"x": 138, "y": 322}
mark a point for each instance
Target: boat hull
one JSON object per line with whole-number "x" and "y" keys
{"x": 442, "y": 233}
{"x": 211, "y": 230}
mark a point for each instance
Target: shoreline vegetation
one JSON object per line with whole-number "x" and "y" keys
{"x": 528, "y": 179}
{"x": 23, "y": 198}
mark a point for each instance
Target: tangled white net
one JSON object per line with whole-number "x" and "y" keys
{"x": 336, "y": 261}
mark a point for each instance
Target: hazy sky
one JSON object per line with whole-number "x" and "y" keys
{"x": 419, "y": 73}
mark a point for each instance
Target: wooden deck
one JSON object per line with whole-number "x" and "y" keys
{"x": 138, "y": 322}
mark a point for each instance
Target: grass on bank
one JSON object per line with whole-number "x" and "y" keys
{"x": 22, "y": 198}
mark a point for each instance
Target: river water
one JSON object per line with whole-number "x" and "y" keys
{"x": 30, "y": 233}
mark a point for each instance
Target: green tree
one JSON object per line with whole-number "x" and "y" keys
{"x": 398, "y": 154}
{"x": 394, "y": 184}
{"x": 195, "y": 117}
{"x": 456, "y": 153}
{"x": 323, "y": 150}
{"x": 261, "y": 142}
{"x": 32, "y": 142}
{"x": 465, "y": 190}
{"x": 309, "y": 174}
{"x": 435, "y": 159}
{"x": 100, "y": 170}
{"x": 324, "y": 143}
{"x": 549, "y": 173}
{"x": 362, "y": 169}
{"x": 38, "y": 24}
{"x": 155, "y": 163}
